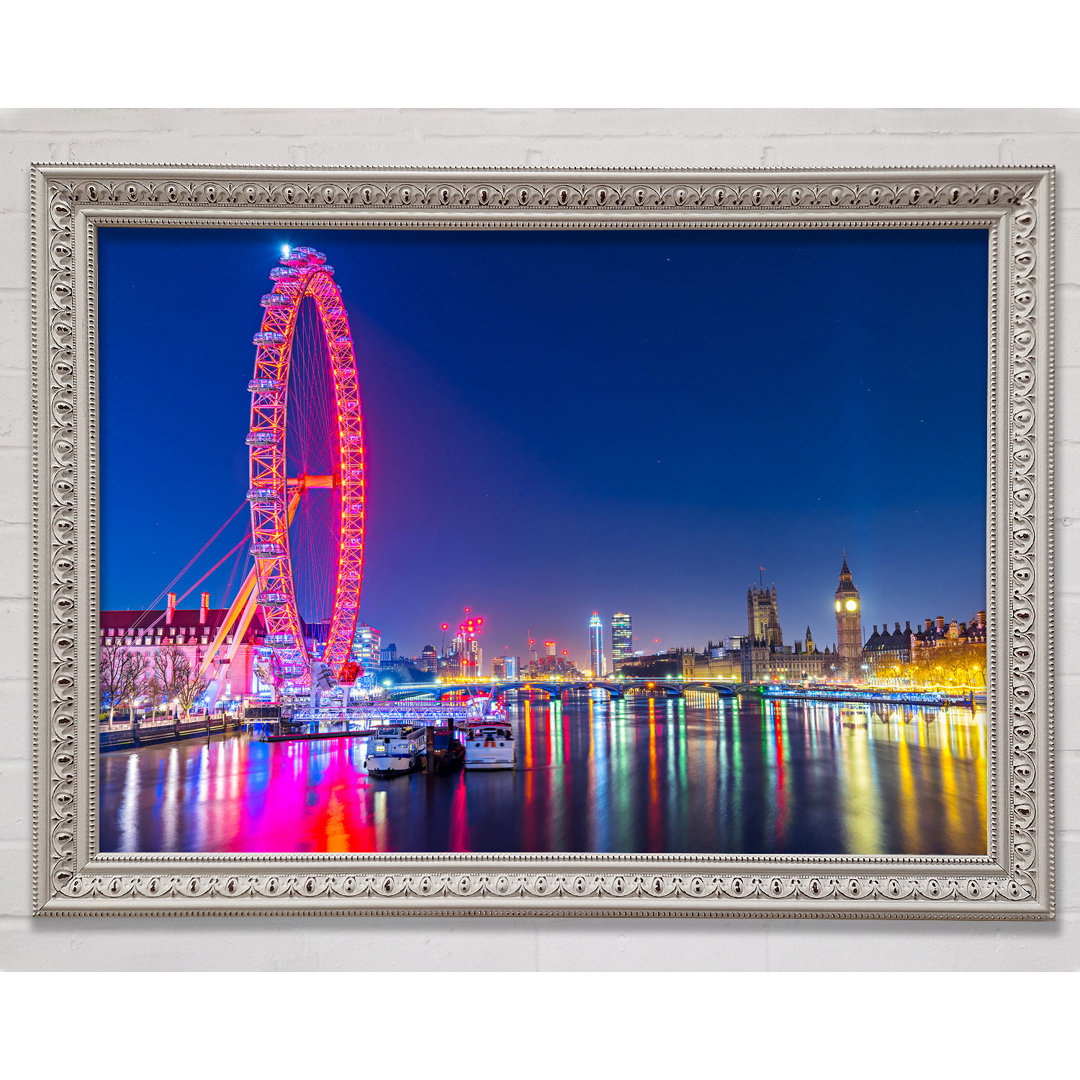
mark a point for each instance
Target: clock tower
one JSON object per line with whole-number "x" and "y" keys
{"x": 848, "y": 625}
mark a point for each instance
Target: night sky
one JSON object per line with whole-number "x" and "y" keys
{"x": 563, "y": 421}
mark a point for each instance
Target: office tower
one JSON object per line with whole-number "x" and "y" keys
{"x": 596, "y": 646}
{"x": 367, "y": 646}
{"x": 622, "y": 638}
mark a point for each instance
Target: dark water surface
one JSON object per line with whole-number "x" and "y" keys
{"x": 695, "y": 775}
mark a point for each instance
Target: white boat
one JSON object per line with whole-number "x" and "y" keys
{"x": 489, "y": 744}
{"x": 392, "y": 750}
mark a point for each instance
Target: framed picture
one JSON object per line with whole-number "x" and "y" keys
{"x": 590, "y": 542}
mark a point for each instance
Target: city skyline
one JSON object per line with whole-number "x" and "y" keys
{"x": 772, "y": 439}
{"x": 826, "y": 637}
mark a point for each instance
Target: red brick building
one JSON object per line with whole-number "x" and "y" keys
{"x": 193, "y": 630}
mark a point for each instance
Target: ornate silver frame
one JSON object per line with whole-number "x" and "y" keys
{"x": 1015, "y": 880}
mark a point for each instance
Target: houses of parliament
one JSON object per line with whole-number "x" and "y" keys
{"x": 762, "y": 656}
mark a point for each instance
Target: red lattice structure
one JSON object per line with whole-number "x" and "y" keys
{"x": 274, "y": 496}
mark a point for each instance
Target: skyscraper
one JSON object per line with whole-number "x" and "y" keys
{"x": 465, "y": 657}
{"x": 367, "y": 646}
{"x": 848, "y": 624}
{"x": 596, "y": 646}
{"x": 622, "y": 638}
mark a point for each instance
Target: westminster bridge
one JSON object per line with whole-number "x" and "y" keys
{"x": 557, "y": 689}
{"x": 618, "y": 689}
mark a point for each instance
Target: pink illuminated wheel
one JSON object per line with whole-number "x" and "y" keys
{"x": 303, "y": 282}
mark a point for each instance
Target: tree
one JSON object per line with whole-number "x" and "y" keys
{"x": 166, "y": 671}
{"x": 134, "y": 679}
{"x": 111, "y": 674}
{"x": 189, "y": 685}
{"x": 949, "y": 665}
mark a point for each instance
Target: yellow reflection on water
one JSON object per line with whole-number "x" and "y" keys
{"x": 862, "y": 809}
{"x": 979, "y": 754}
{"x": 953, "y": 824}
{"x": 909, "y": 805}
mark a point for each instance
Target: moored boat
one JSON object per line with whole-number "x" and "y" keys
{"x": 449, "y": 753}
{"x": 489, "y": 744}
{"x": 392, "y": 750}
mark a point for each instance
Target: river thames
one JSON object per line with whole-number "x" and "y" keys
{"x": 693, "y": 775}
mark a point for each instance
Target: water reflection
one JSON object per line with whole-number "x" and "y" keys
{"x": 645, "y": 774}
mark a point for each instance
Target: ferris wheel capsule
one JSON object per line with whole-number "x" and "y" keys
{"x": 268, "y": 337}
{"x": 260, "y": 496}
{"x": 261, "y": 438}
{"x": 260, "y": 386}
{"x": 275, "y": 299}
{"x": 267, "y": 549}
{"x": 284, "y": 273}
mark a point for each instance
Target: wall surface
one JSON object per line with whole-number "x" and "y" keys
{"x": 518, "y": 138}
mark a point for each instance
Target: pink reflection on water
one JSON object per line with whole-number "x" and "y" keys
{"x": 608, "y": 778}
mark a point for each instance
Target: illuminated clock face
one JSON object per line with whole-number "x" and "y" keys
{"x": 837, "y": 605}
{"x": 851, "y": 605}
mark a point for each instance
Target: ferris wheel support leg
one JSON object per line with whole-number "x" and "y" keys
{"x": 242, "y": 598}
{"x": 238, "y": 637}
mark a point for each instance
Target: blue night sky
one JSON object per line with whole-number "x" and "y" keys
{"x": 563, "y": 421}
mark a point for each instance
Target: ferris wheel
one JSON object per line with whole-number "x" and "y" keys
{"x": 305, "y": 293}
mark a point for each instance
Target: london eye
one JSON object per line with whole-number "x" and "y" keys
{"x": 305, "y": 448}
{"x": 306, "y": 467}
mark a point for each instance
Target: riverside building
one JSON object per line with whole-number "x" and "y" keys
{"x": 193, "y": 631}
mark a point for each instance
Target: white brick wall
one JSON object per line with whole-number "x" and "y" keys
{"x": 515, "y": 138}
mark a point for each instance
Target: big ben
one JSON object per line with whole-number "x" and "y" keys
{"x": 848, "y": 625}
